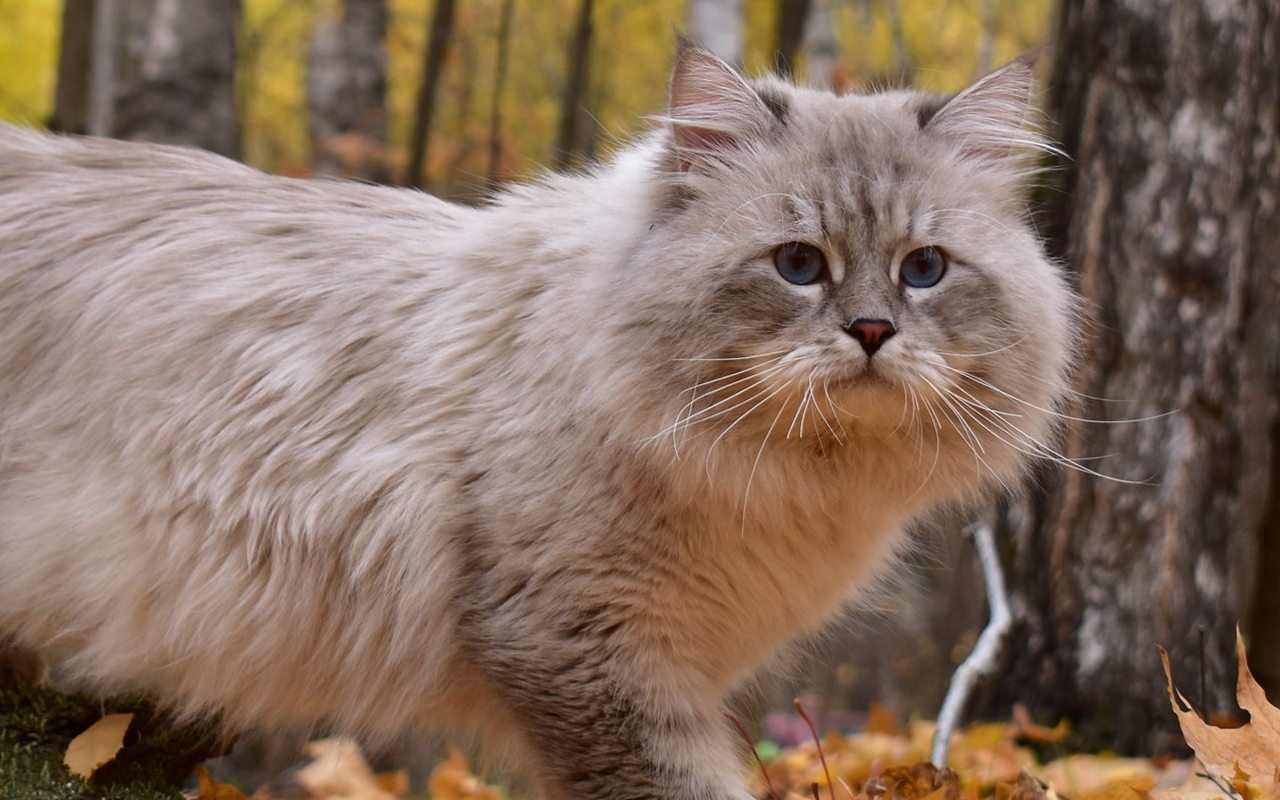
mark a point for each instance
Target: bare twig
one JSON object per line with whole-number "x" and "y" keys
{"x": 746, "y": 737}
{"x": 982, "y": 661}
{"x": 817, "y": 742}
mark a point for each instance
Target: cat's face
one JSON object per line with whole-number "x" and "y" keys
{"x": 855, "y": 263}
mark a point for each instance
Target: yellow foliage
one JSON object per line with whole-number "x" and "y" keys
{"x": 933, "y": 44}
{"x": 29, "y": 33}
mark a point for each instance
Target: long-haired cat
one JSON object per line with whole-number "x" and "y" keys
{"x": 563, "y": 469}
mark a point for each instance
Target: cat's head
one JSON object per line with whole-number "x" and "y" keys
{"x": 857, "y": 265}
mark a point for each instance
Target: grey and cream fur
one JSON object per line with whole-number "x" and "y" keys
{"x": 564, "y": 469}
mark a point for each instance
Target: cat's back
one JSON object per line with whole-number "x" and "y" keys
{"x": 193, "y": 328}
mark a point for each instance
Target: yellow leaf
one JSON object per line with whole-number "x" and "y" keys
{"x": 97, "y": 745}
{"x": 1252, "y": 750}
{"x": 212, "y": 790}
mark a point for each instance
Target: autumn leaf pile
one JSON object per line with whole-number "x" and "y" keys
{"x": 992, "y": 761}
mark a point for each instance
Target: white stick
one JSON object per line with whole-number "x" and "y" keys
{"x": 982, "y": 661}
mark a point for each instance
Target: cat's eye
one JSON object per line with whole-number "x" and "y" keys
{"x": 800, "y": 263}
{"x": 923, "y": 267}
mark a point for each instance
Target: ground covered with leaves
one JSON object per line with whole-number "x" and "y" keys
{"x": 58, "y": 747}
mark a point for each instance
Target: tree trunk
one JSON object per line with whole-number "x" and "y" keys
{"x": 1171, "y": 220}
{"x": 433, "y": 58}
{"x": 71, "y": 103}
{"x": 570, "y": 136}
{"x": 172, "y": 73}
{"x": 821, "y": 51}
{"x": 495, "y": 100}
{"x": 347, "y": 88}
{"x": 792, "y": 15}
{"x": 717, "y": 26}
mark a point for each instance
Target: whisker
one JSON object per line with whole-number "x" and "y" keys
{"x": 732, "y": 425}
{"x": 1050, "y": 411}
{"x": 746, "y": 493}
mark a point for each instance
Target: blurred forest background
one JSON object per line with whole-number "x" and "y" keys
{"x": 1168, "y": 213}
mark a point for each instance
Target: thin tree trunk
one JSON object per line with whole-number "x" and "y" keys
{"x": 495, "y": 101}
{"x": 792, "y": 16}
{"x": 821, "y": 52}
{"x": 987, "y": 40}
{"x": 441, "y": 26}
{"x": 71, "y": 103}
{"x": 1171, "y": 218}
{"x": 174, "y": 80}
{"x": 568, "y": 138}
{"x": 346, "y": 90}
{"x": 717, "y": 26}
{"x": 105, "y": 55}
{"x": 902, "y": 66}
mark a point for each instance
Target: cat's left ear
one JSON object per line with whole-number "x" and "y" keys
{"x": 714, "y": 113}
{"x": 988, "y": 119}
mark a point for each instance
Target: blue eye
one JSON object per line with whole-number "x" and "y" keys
{"x": 923, "y": 267}
{"x": 800, "y": 263}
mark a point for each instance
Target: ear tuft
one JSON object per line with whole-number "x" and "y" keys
{"x": 713, "y": 111}
{"x": 989, "y": 118}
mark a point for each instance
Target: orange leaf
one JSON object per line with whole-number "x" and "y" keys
{"x": 212, "y": 790}
{"x": 452, "y": 780}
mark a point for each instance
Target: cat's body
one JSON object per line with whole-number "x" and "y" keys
{"x": 313, "y": 451}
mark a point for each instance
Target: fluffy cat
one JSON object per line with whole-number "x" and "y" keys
{"x": 563, "y": 469}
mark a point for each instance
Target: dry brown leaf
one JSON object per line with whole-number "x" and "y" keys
{"x": 452, "y": 780}
{"x": 1253, "y": 748}
{"x": 340, "y": 772}
{"x": 97, "y": 744}
{"x": 1024, "y": 787}
{"x": 921, "y": 781}
{"x": 988, "y": 754}
{"x": 1125, "y": 789}
{"x": 212, "y": 790}
{"x": 1027, "y": 729}
{"x": 1082, "y": 775}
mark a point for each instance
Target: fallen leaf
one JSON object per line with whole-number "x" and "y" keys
{"x": 1252, "y": 749}
{"x": 212, "y": 790}
{"x": 339, "y": 772}
{"x": 1082, "y": 775}
{"x": 881, "y": 720}
{"x": 97, "y": 744}
{"x": 1027, "y": 729}
{"x": 452, "y": 780}
{"x": 921, "y": 781}
{"x": 1025, "y": 787}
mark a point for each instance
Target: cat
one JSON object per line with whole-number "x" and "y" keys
{"x": 563, "y": 469}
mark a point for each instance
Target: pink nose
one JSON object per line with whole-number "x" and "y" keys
{"x": 871, "y": 333}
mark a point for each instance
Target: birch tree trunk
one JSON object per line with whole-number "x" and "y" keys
{"x": 717, "y": 26}
{"x": 1170, "y": 217}
{"x": 821, "y": 51}
{"x": 347, "y": 88}
{"x": 172, "y": 73}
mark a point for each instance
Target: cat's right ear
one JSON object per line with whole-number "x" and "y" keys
{"x": 714, "y": 113}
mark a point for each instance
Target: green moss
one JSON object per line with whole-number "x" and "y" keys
{"x": 37, "y": 723}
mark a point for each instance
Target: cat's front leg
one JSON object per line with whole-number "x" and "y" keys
{"x": 593, "y": 729}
